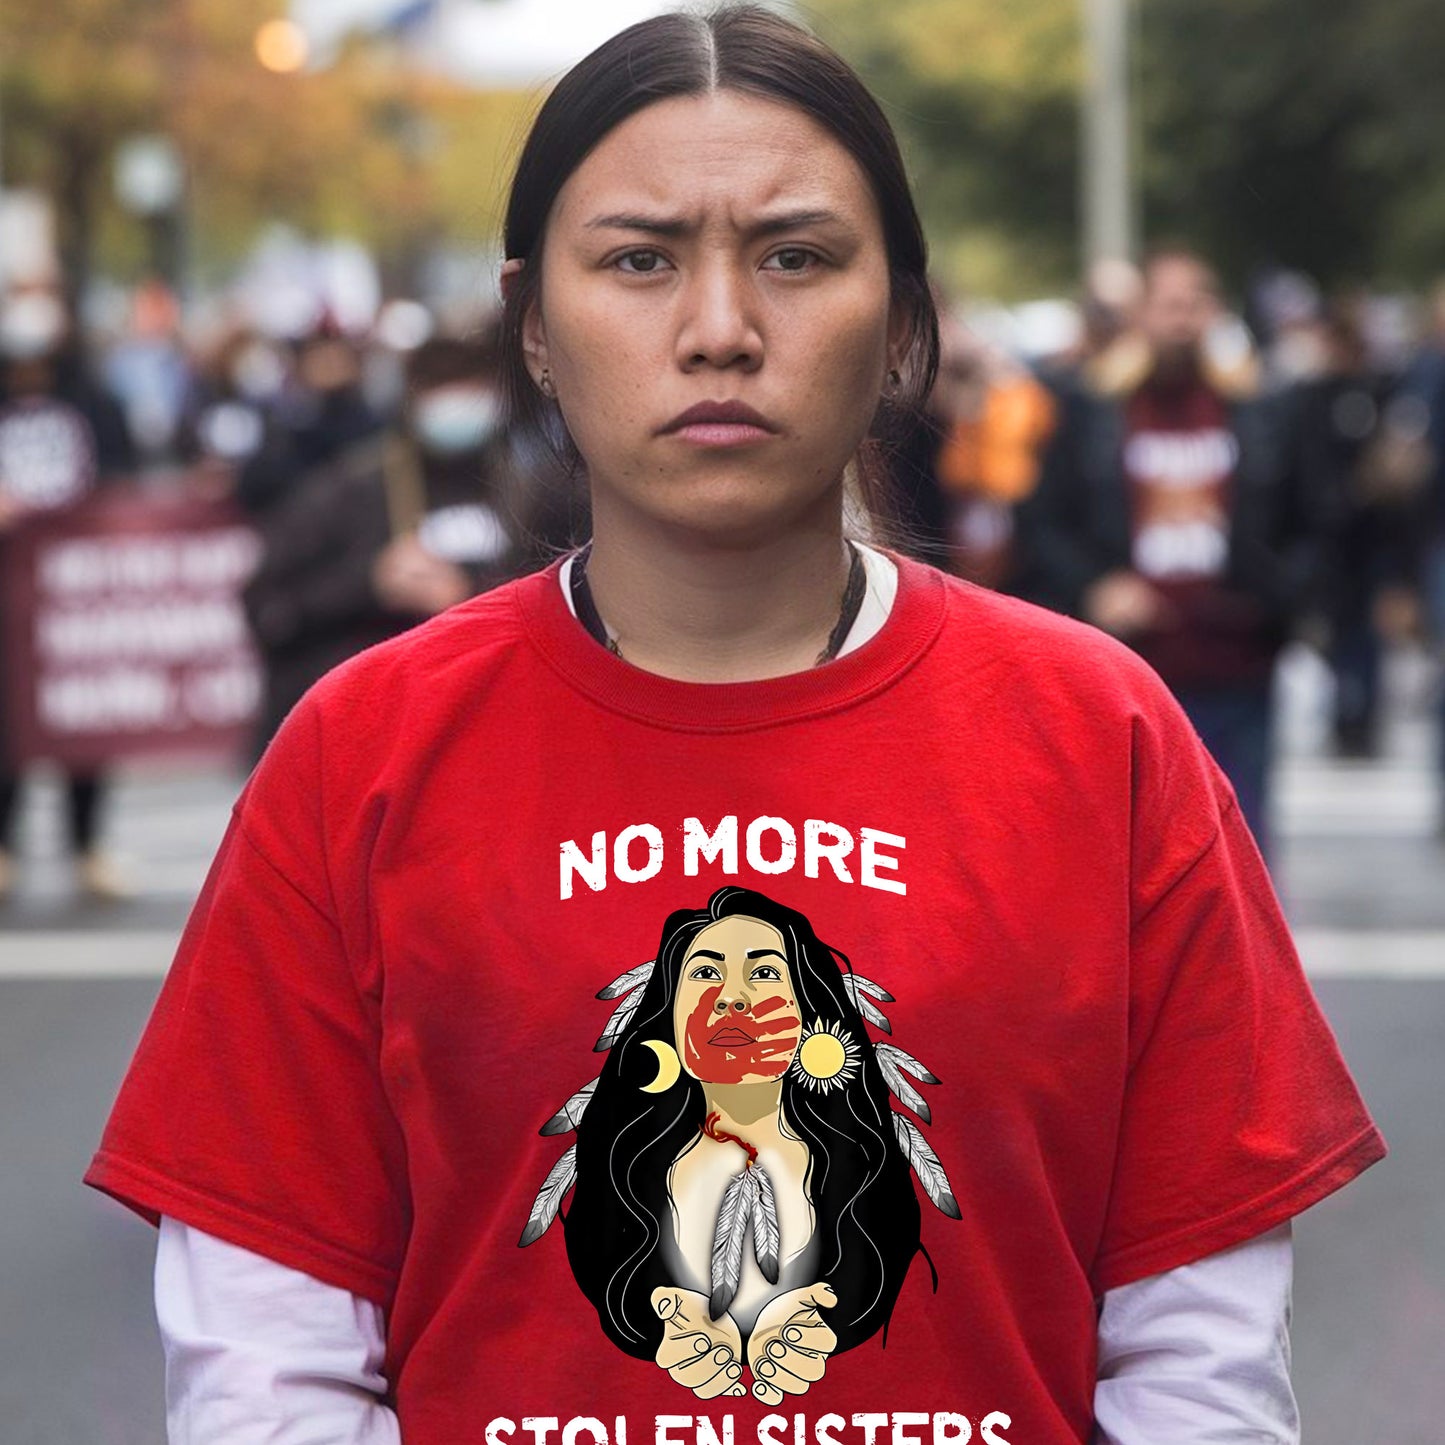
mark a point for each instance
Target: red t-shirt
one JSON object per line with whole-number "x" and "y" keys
{"x": 997, "y": 817}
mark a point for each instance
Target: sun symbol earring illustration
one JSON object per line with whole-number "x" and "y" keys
{"x": 828, "y": 1058}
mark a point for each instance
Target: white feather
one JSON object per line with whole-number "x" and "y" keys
{"x": 767, "y": 1235}
{"x": 907, "y": 1063}
{"x": 619, "y": 1020}
{"x": 926, "y": 1166}
{"x": 625, "y": 983}
{"x": 733, "y": 1217}
{"x": 559, "y": 1180}
{"x": 570, "y": 1114}
{"x": 903, "y": 1091}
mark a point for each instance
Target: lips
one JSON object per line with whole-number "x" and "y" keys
{"x": 719, "y": 413}
{"x": 731, "y": 1037}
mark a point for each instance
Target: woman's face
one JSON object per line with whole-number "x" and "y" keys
{"x": 735, "y": 1016}
{"x": 716, "y": 249}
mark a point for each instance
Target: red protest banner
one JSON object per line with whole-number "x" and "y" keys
{"x": 123, "y": 632}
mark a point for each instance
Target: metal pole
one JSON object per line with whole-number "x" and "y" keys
{"x": 1105, "y": 181}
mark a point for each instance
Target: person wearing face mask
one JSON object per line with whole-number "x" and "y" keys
{"x": 397, "y": 530}
{"x": 425, "y": 1011}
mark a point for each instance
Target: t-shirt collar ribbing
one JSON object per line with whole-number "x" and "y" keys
{"x": 617, "y": 684}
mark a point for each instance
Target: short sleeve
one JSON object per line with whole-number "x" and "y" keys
{"x": 1238, "y": 1111}
{"x": 254, "y": 1108}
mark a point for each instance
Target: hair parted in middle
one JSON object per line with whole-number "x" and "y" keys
{"x": 750, "y": 50}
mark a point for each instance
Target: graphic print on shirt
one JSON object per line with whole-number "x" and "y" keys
{"x": 1180, "y": 483}
{"x": 742, "y": 1192}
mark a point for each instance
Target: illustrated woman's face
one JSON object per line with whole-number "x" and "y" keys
{"x": 736, "y": 1017}
{"x": 726, "y": 250}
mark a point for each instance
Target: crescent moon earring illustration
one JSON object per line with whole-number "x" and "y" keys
{"x": 669, "y": 1066}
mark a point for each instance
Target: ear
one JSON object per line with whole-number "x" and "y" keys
{"x": 900, "y": 334}
{"x": 534, "y": 335}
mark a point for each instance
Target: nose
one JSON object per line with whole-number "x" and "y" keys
{"x": 719, "y": 326}
{"x": 722, "y": 1005}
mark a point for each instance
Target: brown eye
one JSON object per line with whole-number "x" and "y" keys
{"x": 639, "y": 263}
{"x": 792, "y": 259}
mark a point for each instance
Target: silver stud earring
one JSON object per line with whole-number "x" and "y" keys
{"x": 895, "y": 379}
{"x": 545, "y": 384}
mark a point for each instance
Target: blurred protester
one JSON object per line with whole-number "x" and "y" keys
{"x": 149, "y": 372}
{"x": 1168, "y": 514}
{"x": 229, "y": 426}
{"x": 1363, "y": 460}
{"x": 1109, "y": 309}
{"x": 972, "y": 457}
{"x": 60, "y": 437}
{"x": 1287, "y": 313}
{"x": 998, "y": 421}
{"x": 319, "y": 413}
{"x": 393, "y": 531}
{"x": 1423, "y": 389}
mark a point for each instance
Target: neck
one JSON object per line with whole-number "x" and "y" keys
{"x": 702, "y": 609}
{"x": 744, "y": 1107}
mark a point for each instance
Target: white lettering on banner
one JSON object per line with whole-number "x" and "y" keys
{"x": 122, "y": 699}
{"x": 901, "y": 1427}
{"x": 140, "y": 637}
{"x": 222, "y": 696}
{"x": 697, "y": 843}
{"x": 215, "y": 560}
{"x": 176, "y": 628}
{"x": 771, "y": 848}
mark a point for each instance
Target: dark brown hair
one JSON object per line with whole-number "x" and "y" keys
{"x": 741, "y": 48}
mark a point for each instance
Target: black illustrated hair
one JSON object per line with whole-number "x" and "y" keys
{"x": 859, "y": 1185}
{"x": 750, "y": 50}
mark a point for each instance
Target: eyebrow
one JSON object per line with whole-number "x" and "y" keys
{"x": 765, "y": 953}
{"x": 669, "y": 226}
{"x": 706, "y": 953}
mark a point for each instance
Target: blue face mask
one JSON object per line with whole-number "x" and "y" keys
{"x": 453, "y": 420}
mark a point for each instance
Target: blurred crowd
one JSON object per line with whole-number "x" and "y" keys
{"x": 1207, "y": 484}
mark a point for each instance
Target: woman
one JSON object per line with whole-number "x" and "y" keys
{"x": 716, "y": 299}
{"x": 745, "y": 1072}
